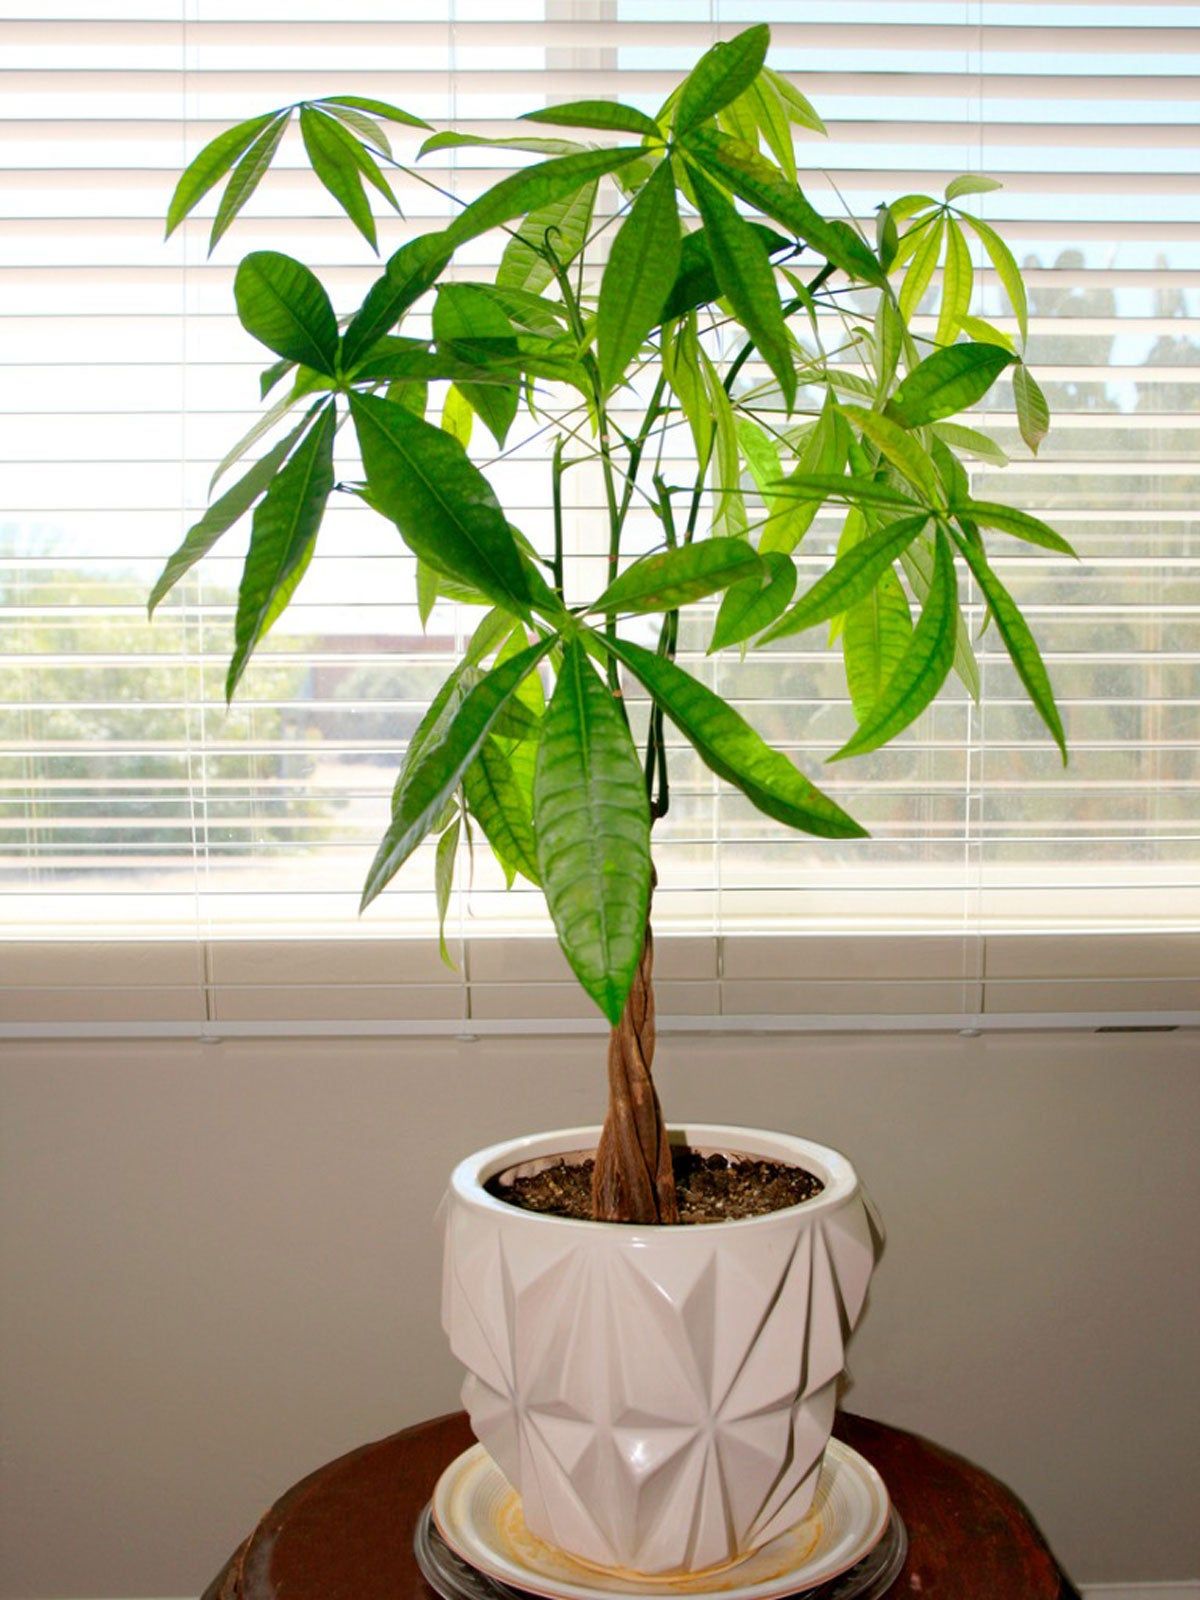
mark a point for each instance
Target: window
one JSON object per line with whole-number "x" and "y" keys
{"x": 132, "y": 805}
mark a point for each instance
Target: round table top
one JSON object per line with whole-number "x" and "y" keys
{"x": 345, "y": 1532}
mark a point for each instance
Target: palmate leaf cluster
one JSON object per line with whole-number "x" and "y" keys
{"x": 696, "y": 304}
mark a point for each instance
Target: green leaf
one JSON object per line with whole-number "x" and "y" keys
{"x": 499, "y": 807}
{"x": 457, "y": 417}
{"x": 696, "y": 283}
{"x": 685, "y": 372}
{"x": 852, "y": 576}
{"x": 922, "y": 669}
{"x": 889, "y": 341}
{"x": 823, "y": 456}
{"x": 563, "y": 225}
{"x": 365, "y": 127}
{"x": 593, "y": 832}
{"x": 211, "y": 165}
{"x": 727, "y": 744}
{"x": 1033, "y": 413}
{"x": 451, "y": 140}
{"x": 444, "y": 507}
{"x": 534, "y": 187}
{"x": 720, "y": 76}
{"x": 427, "y": 591}
{"x": 247, "y": 176}
{"x": 337, "y": 171}
{"x": 752, "y": 603}
{"x": 1018, "y": 640}
{"x": 958, "y": 278}
{"x": 282, "y": 540}
{"x": 972, "y": 441}
{"x": 875, "y": 635}
{"x": 729, "y": 505}
{"x": 821, "y": 486}
{"x": 413, "y": 269}
{"x": 438, "y": 769}
{"x": 918, "y": 564}
{"x": 1020, "y": 524}
{"x": 284, "y": 306}
{"x": 970, "y": 183}
{"x": 376, "y": 108}
{"x": 767, "y": 108}
{"x": 920, "y": 273}
{"x": 443, "y": 882}
{"x": 902, "y": 449}
{"x": 596, "y": 114}
{"x": 739, "y": 167}
{"x": 798, "y": 109}
{"x": 747, "y": 280}
{"x": 984, "y": 333}
{"x": 641, "y": 268}
{"x": 946, "y": 382}
{"x": 1006, "y": 269}
{"x": 223, "y": 513}
{"x": 468, "y": 324}
{"x": 677, "y": 577}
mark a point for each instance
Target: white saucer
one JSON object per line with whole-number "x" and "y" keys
{"x": 478, "y": 1514}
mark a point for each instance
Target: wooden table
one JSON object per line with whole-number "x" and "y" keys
{"x": 345, "y": 1532}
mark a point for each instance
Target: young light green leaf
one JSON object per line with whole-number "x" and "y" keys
{"x": 685, "y": 372}
{"x": 427, "y": 591}
{"x": 765, "y": 107}
{"x": 444, "y": 507}
{"x": 596, "y": 114}
{"x": 638, "y": 276}
{"x": 753, "y": 603}
{"x": 970, "y": 183}
{"x": 1018, "y": 640}
{"x": 1033, "y": 413}
{"x": 720, "y": 75}
{"x": 458, "y": 420}
{"x": 918, "y": 564}
{"x": 468, "y": 324}
{"x": 924, "y": 262}
{"x": 852, "y": 576}
{"x": 1020, "y": 524}
{"x": 822, "y": 486}
{"x": 592, "y": 822}
{"x": 443, "y": 883}
{"x": 223, "y": 513}
{"x": 730, "y": 747}
{"x": 729, "y": 504}
{"x": 971, "y": 441}
{"x": 902, "y": 449}
{"x": 211, "y": 165}
{"x": 875, "y": 634}
{"x": 283, "y": 305}
{"x": 247, "y": 176}
{"x": 355, "y": 153}
{"x": 561, "y": 226}
{"x": 451, "y": 140}
{"x": 438, "y": 769}
{"x": 823, "y": 456}
{"x": 889, "y": 341}
{"x": 747, "y": 280}
{"x": 675, "y": 578}
{"x": 958, "y": 278}
{"x": 983, "y": 332}
{"x": 535, "y": 187}
{"x": 376, "y": 108}
{"x": 497, "y": 804}
{"x": 1006, "y": 269}
{"x": 946, "y": 382}
{"x": 413, "y": 269}
{"x": 337, "y": 171}
{"x": 365, "y": 127}
{"x": 922, "y": 669}
{"x": 799, "y": 110}
{"x": 282, "y": 540}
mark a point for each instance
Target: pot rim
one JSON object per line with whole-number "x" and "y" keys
{"x": 467, "y": 1179}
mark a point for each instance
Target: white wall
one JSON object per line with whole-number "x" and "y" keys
{"x": 220, "y": 1268}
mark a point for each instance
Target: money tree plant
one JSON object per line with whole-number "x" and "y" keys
{"x": 667, "y": 284}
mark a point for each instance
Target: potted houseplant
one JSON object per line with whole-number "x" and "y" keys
{"x": 660, "y": 1393}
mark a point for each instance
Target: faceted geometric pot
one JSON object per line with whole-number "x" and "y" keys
{"x": 660, "y": 1397}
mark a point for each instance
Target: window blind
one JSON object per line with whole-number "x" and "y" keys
{"x": 133, "y": 806}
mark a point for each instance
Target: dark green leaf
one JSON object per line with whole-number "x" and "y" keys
{"x": 247, "y": 176}
{"x": 727, "y": 744}
{"x": 753, "y": 603}
{"x": 677, "y": 577}
{"x": 1033, "y": 413}
{"x": 284, "y": 306}
{"x": 499, "y": 807}
{"x": 641, "y": 268}
{"x": 438, "y": 770}
{"x": 852, "y": 576}
{"x": 413, "y": 269}
{"x": 739, "y": 167}
{"x": 593, "y": 832}
{"x": 534, "y": 187}
{"x": 596, "y": 114}
{"x": 1018, "y": 640}
{"x": 946, "y": 382}
{"x": 696, "y": 284}
{"x": 211, "y": 165}
{"x": 469, "y": 325}
{"x": 747, "y": 281}
{"x": 444, "y": 507}
{"x": 377, "y": 108}
{"x": 338, "y": 172}
{"x": 720, "y": 76}
{"x": 358, "y": 155}
{"x": 282, "y": 540}
{"x": 922, "y": 669}
{"x": 1020, "y": 524}
{"x": 223, "y": 513}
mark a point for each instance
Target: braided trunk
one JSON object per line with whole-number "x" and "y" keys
{"x": 633, "y": 1179}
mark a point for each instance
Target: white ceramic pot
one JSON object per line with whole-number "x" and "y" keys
{"x": 660, "y": 1397}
